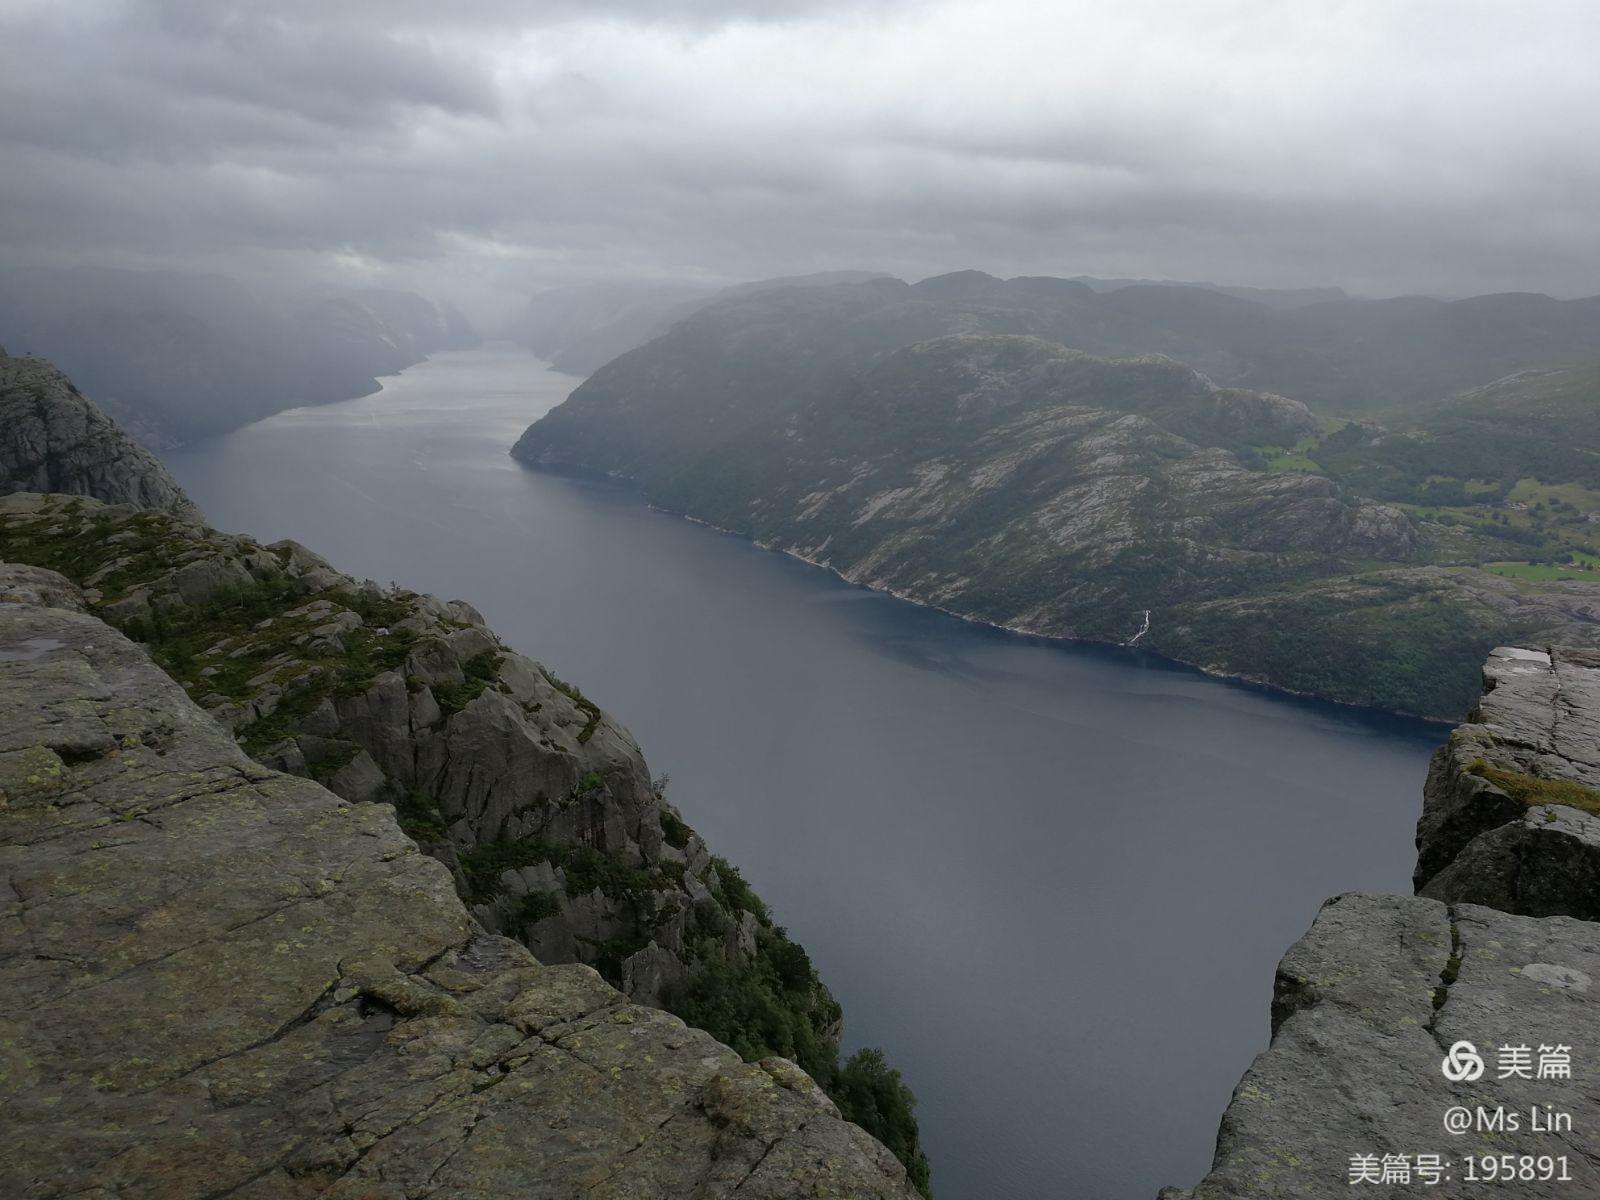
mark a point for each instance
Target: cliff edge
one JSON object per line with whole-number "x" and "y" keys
{"x": 226, "y": 980}
{"x": 1500, "y": 950}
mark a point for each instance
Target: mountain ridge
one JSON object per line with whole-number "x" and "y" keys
{"x": 1056, "y": 520}
{"x": 176, "y": 356}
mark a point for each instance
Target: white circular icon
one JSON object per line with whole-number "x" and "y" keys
{"x": 1462, "y": 1063}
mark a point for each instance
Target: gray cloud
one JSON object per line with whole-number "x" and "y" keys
{"x": 1443, "y": 147}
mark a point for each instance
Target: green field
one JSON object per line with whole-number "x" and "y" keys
{"x": 1588, "y": 572}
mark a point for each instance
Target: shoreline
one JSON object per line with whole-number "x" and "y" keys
{"x": 1059, "y": 638}
{"x": 1239, "y": 680}
{"x": 1016, "y": 631}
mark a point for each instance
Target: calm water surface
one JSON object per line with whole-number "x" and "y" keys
{"x": 1052, "y": 882}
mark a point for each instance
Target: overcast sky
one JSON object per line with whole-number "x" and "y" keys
{"x": 1386, "y": 146}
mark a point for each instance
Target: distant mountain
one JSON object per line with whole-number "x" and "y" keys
{"x": 1343, "y": 356}
{"x": 1283, "y": 299}
{"x": 908, "y": 438}
{"x": 177, "y": 356}
{"x": 582, "y": 327}
{"x": 52, "y": 439}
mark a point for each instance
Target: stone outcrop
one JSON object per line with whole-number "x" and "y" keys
{"x": 53, "y": 439}
{"x": 1365, "y": 1008}
{"x": 1500, "y": 949}
{"x": 1511, "y": 812}
{"x": 223, "y": 980}
{"x": 541, "y": 804}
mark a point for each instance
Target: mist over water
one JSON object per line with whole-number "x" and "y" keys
{"x": 1051, "y": 881}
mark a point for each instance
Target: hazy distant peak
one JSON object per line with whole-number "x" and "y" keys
{"x": 957, "y": 283}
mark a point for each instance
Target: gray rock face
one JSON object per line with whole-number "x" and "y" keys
{"x": 1365, "y": 1008}
{"x": 52, "y": 439}
{"x": 223, "y": 980}
{"x": 1501, "y": 949}
{"x": 1544, "y": 864}
{"x": 540, "y": 804}
{"x": 1511, "y": 812}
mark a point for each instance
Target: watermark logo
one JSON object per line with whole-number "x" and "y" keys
{"x": 1463, "y": 1063}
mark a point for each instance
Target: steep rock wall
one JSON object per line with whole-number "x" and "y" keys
{"x": 541, "y": 805}
{"x": 226, "y": 980}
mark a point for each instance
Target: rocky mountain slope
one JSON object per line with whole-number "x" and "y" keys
{"x": 176, "y": 356}
{"x": 52, "y": 439}
{"x": 584, "y": 326}
{"x": 227, "y": 981}
{"x": 1340, "y": 355}
{"x": 539, "y": 804}
{"x": 1009, "y": 479}
{"x": 1499, "y": 949}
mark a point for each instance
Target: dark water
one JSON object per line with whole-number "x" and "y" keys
{"x": 1052, "y": 882}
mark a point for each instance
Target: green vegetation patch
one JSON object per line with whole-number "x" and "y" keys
{"x": 587, "y": 869}
{"x": 734, "y": 894}
{"x": 419, "y": 817}
{"x": 1534, "y": 791}
{"x": 1579, "y": 567}
{"x": 589, "y": 707}
{"x": 871, "y": 1093}
{"x": 536, "y": 906}
{"x": 775, "y": 1005}
{"x": 241, "y": 640}
{"x": 481, "y": 671}
{"x": 129, "y": 548}
{"x": 483, "y": 865}
{"x": 673, "y": 829}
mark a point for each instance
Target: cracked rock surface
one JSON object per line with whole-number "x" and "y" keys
{"x": 227, "y": 981}
{"x": 1365, "y": 1008}
{"x": 1511, "y": 812}
{"x": 52, "y": 439}
{"x": 1500, "y": 949}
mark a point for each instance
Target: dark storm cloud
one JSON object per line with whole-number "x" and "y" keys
{"x": 507, "y": 145}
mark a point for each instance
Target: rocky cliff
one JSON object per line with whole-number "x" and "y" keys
{"x": 52, "y": 439}
{"x": 537, "y": 802}
{"x": 1511, "y": 813}
{"x": 223, "y": 980}
{"x": 495, "y": 765}
{"x": 1499, "y": 949}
